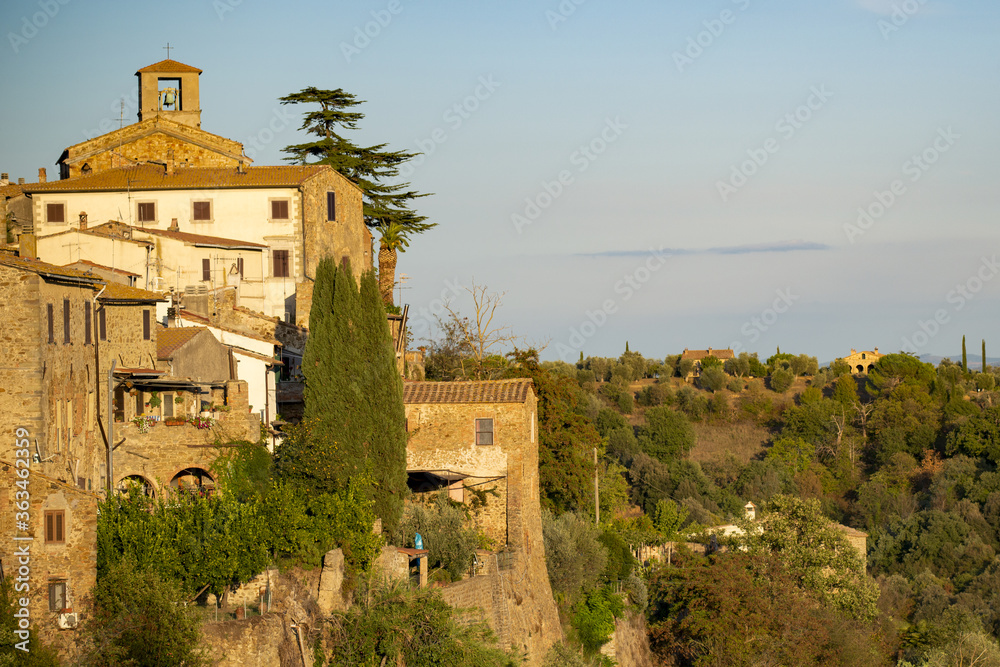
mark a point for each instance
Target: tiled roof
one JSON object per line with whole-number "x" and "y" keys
{"x": 486, "y": 391}
{"x": 120, "y": 292}
{"x": 11, "y": 190}
{"x": 171, "y": 338}
{"x": 146, "y": 177}
{"x": 87, "y": 262}
{"x": 45, "y": 269}
{"x": 103, "y": 231}
{"x": 698, "y": 355}
{"x": 191, "y": 315}
{"x": 201, "y": 239}
{"x": 169, "y": 66}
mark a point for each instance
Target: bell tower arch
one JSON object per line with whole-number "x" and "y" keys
{"x": 169, "y": 89}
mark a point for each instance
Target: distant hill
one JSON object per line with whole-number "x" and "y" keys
{"x": 975, "y": 360}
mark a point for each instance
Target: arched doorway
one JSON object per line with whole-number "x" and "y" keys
{"x": 860, "y": 368}
{"x": 193, "y": 479}
{"x": 136, "y": 483}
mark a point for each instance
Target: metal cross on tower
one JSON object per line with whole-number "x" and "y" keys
{"x": 168, "y": 47}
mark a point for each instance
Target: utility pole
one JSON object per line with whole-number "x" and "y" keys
{"x": 597, "y": 494}
{"x": 111, "y": 422}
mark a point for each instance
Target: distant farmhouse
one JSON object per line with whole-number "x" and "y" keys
{"x": 862, "y": 362}
{"x": 698, "y": 355}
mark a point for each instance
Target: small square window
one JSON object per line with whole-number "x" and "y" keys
{"x": 484, "y": 431}
{"x": 146, "y": 212}
{"x": 57, "y": 596}
{"x": 279, "y": 209}
{"x": 201, "y": 211}
{"x": 55, "y": 524}
{"x": 55, "y": 212}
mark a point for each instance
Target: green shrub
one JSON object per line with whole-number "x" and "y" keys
{"x": 594, "y": 618}
{"x": 443, "y": 527}
{"x": 139, "y": 620}
{"x": 574, "y": 556}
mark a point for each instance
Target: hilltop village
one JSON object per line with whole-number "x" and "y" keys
{"x": 221, "y": 448}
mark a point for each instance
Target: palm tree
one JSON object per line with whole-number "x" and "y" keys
{"x": 394, "y": 239}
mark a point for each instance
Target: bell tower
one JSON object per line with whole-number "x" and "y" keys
{"x": 169, "y": 89}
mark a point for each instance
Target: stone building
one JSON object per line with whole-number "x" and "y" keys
{"x": 169, "y": 129}
{"x": 50, "y": 551}
{"x": 476, "y": 437}
{"x": 300, "y": 214}
{"x": 862, "y": 362}
{"x": 697, "y": 355}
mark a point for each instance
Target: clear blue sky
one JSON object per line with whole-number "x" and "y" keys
{"x": 736, "y": 139}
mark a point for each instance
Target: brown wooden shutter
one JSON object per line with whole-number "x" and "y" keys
{"x": 331, "y": 206}
{"x": 86, "y": 323}
{"x": 145, "y": 325}
{"x": 65, "y": 321}
{"x": 52, "y": 325}
{"x": 103, "y": 324}
{"x": 55, "y": 213}
{"x": 206, "y": 269}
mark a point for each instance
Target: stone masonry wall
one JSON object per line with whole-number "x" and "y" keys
{"x": 72, "y": 561}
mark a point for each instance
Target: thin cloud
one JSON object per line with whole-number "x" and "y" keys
{"x": 748, "y": 249}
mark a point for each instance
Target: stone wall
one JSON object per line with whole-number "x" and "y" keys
{"x": 164, "y": 451}
{"x": 71, "y": 562}
{"x": 145, "y": 141}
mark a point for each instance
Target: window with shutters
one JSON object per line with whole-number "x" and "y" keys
{"x": 146, "y": 211}
{"x": 57, "y": 596}
{"x": 484, "y": 431}
{"x": 145, "y": 325}
{"x": 65, "y": 321}
{"x": 331, "y": 206}
{"x": 279, "y": 210}
{"x": 280, "y": 261}
{"x": 102, "y": 324}
{"x": 239, "y": 266}
{"x": 206, "y": 269}
{"x": 55, "y": 526}
{"x": 55, "y": 213}
{"x": 51, "y": 322}
{"x": 201, "y": 211}
{"x": 86, "y": 323}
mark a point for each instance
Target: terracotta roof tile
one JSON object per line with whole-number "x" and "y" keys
{"x": 95, "y": 265}
{"x": 147, "y": 177}
{"x": 169, "y": 66}
{"x": 201, "y": 239}
{"x": 11, "y": 190}
{"x": 698, "y": 355}
{"x": 486, "y": 391}
{"x": 45, "y": 269}
{"x": 191, "y": 315}
{"x": 120, "y": 292}
{"x": 171, "y": 338}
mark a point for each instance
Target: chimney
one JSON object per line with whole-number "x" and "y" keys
{"x": 4, "y": 179}
{"x": 20, "y": 181}
{"x": 41, "y": 175}
{"x": 83, "y": 220}
{"x": 170, "y": 162}
{"x": 27, "y": 248}
{"x": 241, "y": 167}
{"x": 174, "y": 227}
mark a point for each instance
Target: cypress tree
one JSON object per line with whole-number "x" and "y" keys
{"x": 965, "y": 359}
{"x": 326, "y": 449}
{"x": 354, "y": 423}
{"x": 385, "y": 418}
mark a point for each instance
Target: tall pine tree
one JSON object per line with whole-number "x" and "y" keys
{"x": 387, "y": 205}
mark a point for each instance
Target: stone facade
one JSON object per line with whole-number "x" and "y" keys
{"x": 697, "y": 355}
{"x": 862, "y": 362}
{"x": 445, "y": 421}
{"x": 53, "y": 569}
